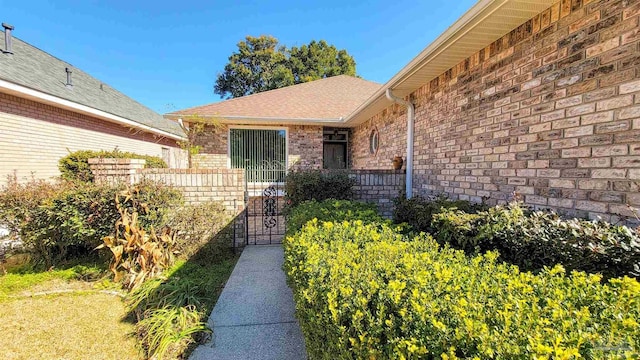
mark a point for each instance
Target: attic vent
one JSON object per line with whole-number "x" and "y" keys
{"x": 8, "y": 49}
{"x": 69, "y": 83}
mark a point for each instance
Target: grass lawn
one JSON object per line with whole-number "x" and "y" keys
{"x": 75, "y": 314}
{"x": 55, "y": 315}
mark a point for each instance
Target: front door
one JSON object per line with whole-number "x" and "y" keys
{"x": 335, "y": 155}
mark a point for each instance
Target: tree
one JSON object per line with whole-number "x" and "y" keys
{"x": 319, "y": 60}
{"x": 261, "y": 64}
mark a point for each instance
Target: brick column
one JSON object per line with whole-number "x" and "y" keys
{"x": 113, "y": 171}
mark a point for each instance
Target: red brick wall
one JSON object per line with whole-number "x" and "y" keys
{"x": 550, "y": 111}
{"x": 35, "y": 136}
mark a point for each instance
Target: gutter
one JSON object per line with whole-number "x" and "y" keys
{"x": 38, "y": 96}
{"x": 411, "y": 114}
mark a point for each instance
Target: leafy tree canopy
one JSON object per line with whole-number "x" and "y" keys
{"x": 261, "y": 64}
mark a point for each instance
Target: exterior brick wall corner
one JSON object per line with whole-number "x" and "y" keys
{"x": 550, "y": 111}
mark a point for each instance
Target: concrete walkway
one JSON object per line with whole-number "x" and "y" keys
{"x": 254, "y": 316}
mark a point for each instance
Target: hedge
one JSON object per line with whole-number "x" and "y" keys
{"x": 331, "y": 210}
{"x": 69, "y": 219}
{"x": 362, "y": 291}
{"x": 305, "y": 185}
{"x": 535, "y": 239}
{"x": 418, "y": 211}
{"x": 75, "y": 166}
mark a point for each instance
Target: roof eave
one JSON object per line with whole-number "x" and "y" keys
{"x": 479, "y": 19}
{"x": 252, "y": 120}
{"x": 41, "y": 97}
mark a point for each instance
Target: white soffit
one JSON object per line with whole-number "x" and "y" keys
{"x": 486, "y": 22}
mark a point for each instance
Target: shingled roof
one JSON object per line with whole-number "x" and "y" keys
{"x": 35, "y": 69}
{"x": 328, "y": 99}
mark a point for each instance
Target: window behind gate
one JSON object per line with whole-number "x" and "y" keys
{"x": 263, "y": 153}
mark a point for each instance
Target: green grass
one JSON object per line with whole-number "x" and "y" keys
{"x": 25, "y": 277}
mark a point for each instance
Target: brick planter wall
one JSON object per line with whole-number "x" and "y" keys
{"x": 550, "y": 111}
{"x": 380, "y": 187}
{"x": 114, "y": 171}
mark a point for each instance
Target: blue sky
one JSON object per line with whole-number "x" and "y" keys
{"x": 166, "y": 54}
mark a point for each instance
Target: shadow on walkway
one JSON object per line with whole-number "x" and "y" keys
{"x": 254, "y": 316}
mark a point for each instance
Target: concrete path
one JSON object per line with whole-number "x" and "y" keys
{"x": 254, "y": 316}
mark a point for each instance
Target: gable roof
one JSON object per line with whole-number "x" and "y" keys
{"x": 325, "y": 100}
{"x": 34, "y": 69}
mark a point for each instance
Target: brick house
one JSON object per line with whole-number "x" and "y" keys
{"x": 48, "y": 108}
{"x": 536, "y": 97}
{"x": 305, "y": 120}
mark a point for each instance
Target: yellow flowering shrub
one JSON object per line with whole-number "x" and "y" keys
{"x": 364, "y": 291}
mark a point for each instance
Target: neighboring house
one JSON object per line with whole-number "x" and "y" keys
{"x": 535, "y": 97}
{"x": 48, "y": 108}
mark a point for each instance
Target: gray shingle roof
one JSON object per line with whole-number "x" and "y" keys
{"x": 38, "y": 70}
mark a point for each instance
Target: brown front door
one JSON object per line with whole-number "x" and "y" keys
{"x": 335, "y": 155}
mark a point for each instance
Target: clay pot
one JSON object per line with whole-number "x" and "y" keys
{"x": 397, "y": 163}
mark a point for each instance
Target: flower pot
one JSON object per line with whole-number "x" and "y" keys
{"x": 397, "y": 163}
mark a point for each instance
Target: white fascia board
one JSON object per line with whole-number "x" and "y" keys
{"x": 252, "y": 120}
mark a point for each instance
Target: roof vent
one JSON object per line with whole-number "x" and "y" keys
{"x": 69, "y": 83}
{"x": 8, "y": 49}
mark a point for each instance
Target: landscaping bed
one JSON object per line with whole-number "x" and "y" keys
{"x": 366, "y": 289}
{"x": 159, "y": 266}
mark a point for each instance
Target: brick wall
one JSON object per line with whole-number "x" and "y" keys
{"x": 391, "y": 125}
{"x": 197, "y": 185}
{"x": 380, "y": 187}
{"x": 550, "y": 111}
{"x": 115, "y": 171}
{"x": 35, "y": 136}
{"x": 202, "y": 185}
{"x": 305, "y": 146}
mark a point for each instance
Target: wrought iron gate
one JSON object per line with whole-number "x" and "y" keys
{"x": 264, "y": 203}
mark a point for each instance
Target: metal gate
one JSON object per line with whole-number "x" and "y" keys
{"x": 264, "y": 203}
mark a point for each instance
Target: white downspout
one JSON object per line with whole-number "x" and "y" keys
{"x": 411, "y": 110}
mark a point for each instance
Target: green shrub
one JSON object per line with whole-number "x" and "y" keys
{"x": 19, "y": 201}
{"x": 418, "y": 211}
{"x": 69, "y": 219}
{"x": 535, "y": 239}
{"x": 331, "y": 210}
{"x": 75, "y": 166}
{"x": 317, "y": 185}
{"x": 197, "y": 225}
{"x": 364, "y": 292}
